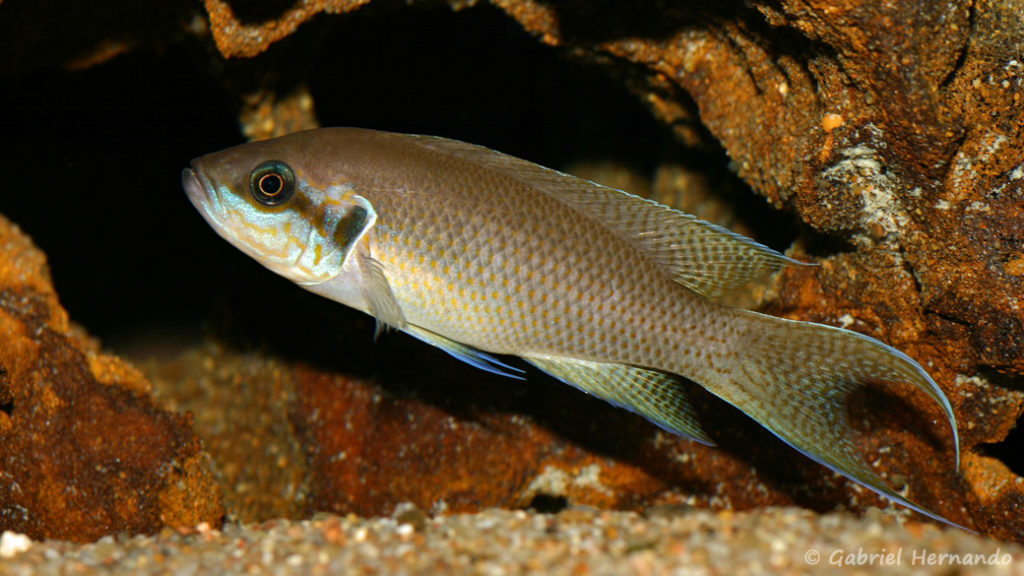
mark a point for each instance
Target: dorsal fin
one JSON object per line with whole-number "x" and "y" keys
{"x": 704, "y": 257}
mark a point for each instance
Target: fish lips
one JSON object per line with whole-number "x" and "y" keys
{"x": 194, "y": 188}
{"x": 202, "y": 195}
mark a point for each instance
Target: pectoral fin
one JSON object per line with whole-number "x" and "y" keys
{"x": 657, "y": 396}
{"x": 377, "y": 293}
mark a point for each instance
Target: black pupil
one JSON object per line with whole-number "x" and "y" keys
{"x": 271, "y": 184}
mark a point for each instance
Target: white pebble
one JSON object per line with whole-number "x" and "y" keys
{"x": 13, "y": 543}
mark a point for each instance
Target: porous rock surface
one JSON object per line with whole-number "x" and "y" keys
{"x": 84, "y": 449}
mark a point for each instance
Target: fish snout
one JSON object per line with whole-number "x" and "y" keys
{"x": 203, "y": 196}
{"x": 194, "y": 188}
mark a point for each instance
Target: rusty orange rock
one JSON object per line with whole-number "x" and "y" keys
{"x": 242, "y": 35}
{"x": 462, "y": 447}
{"x": 84, "y": 450}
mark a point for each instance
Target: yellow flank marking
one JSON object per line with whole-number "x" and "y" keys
{"x": 318, "y": 254}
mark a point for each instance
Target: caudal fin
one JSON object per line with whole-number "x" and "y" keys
{"x": 795, "y": 378}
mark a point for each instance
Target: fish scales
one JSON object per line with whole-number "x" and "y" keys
{"x": 480, "y": 253}
{"x": 491, "y": 261}
{"x": 514, "y": 282}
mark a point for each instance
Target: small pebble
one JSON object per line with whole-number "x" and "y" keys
{"x": 831, "y": 121}
{"x": 408, "y": 513}
{"x": 12, "y": 544}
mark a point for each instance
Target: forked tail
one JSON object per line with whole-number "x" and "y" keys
{"x": 795, "y": 378}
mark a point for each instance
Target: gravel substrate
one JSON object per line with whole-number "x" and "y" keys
{"x": 575, "y": 541}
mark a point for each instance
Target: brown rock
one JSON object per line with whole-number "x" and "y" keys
{"x": 75, "y": 36}
{"x": 240, "y": 34}
{"x": 241, "y": 407}
{"x": 84, "y": 451}
{"x": 462, "y": 447}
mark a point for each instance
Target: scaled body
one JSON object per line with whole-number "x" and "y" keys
{"x": 477, "y": 252}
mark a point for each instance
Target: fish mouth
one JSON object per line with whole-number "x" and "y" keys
{"x": 207, "y": 200}
{"x": 194, "y": 189}
{"x": 206, "y": 197}
{"x": 202, "y": 195}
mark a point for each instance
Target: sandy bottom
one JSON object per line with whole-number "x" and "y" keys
{"x": 574, "y": 541}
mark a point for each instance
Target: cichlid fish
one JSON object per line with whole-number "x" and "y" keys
{"x": 480, "y": 253}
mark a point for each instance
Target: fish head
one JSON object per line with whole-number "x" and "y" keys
{"x": 269, "y": 200}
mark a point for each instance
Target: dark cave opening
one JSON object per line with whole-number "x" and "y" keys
{"x": 1008, "y": 451}
{"x": 548, "y": 503}
{"x": 99, "y": 153}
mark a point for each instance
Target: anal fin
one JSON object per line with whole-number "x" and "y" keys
{"x": 657, "y": 396}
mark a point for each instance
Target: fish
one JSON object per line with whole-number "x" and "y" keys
{"x": 488, "y": 256}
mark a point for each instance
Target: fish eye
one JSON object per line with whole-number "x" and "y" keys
{"x": 272, "y": 183}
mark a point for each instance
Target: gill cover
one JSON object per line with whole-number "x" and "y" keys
{"x": 337, "y": 219}
{"x": 264, "y": 208}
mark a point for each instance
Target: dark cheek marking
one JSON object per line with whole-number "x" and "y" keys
{"x": 317, "y": 216}
{"x": 345, "y": 230}
{"x": 302, "y": 204}
{"x": 349, "y": 227}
